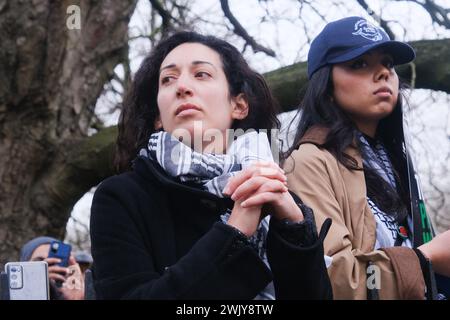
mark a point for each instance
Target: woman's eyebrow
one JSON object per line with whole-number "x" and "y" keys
{"x": 169, "y": 66}
{"x": 197, "y": 62}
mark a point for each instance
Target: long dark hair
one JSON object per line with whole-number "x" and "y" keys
{"x": 319, "y": 109}
{"x": 140, "y": 109}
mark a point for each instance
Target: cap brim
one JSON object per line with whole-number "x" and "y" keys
{"x": 400, "y": 52}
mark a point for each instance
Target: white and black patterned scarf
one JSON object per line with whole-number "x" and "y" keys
{"x": 376, "y": 158}
{"x": 211, "y": 172}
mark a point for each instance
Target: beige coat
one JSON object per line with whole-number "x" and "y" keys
{"x": 335, "y": 192}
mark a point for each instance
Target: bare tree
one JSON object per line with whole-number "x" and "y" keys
{"x": 51, "y": 78}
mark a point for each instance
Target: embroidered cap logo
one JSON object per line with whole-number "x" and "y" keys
{"x": 367, "y": 30}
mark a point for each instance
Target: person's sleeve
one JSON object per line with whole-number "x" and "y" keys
{"x": 296, "y": 257}
{"x": 302, "y": 233}
{"x": 219, "y": 266}
{"x": 405, "y": 262}
{"x": 312, "y": 181}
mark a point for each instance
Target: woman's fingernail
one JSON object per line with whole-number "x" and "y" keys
{"x": 244, "y": 204}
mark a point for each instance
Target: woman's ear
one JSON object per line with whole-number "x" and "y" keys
{"x": 240, "y": 107}
{"x": 158, "y": 123}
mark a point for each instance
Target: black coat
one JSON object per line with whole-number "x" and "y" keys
{"x": 155, "y": 238}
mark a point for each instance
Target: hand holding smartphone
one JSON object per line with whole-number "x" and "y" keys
{"x": 60, "y": 250}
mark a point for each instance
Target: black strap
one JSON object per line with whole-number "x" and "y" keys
{"x": 422, "y": 229}
{"x": 428, "y": 276}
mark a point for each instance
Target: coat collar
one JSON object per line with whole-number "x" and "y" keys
{"x": 152, "y": 171}
{"x": 316, "y": 135}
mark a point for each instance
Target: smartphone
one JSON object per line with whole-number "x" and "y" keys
{"x": 28, "y": 280}
{"x": 60, "y": 250}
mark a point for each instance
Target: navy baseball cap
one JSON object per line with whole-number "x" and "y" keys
{"x": 348, "y": 38}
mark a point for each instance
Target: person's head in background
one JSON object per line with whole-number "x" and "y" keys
{"x": 353, "y": 87}
{"x": 191, "y": 78}
{"x": 70, "y": 278}
{"x": 36, "y": 249}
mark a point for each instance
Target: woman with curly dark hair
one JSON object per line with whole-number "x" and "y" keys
{"x": 185, "y": 219}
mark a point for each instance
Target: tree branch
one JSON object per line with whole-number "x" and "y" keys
{"x": 165, "y": 15}
{"x": 437, "y": 13}
{"x": 52, "y": 76}
{"x": 78, "y": 166}
{"x": 240, "y": 31}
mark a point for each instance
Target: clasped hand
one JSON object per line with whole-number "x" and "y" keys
{"x": 263, "y": 184}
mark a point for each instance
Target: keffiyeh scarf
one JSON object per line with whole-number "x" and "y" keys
{"x": 211, "y": 172}
{"x": 376, "y": 158}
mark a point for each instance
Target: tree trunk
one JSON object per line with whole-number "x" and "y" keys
{"x": 50, "y": 79}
